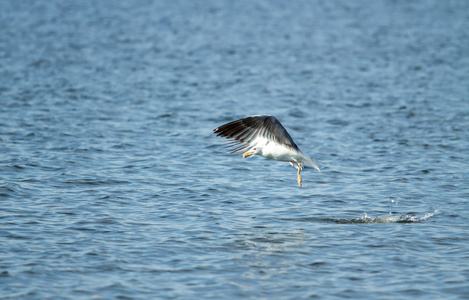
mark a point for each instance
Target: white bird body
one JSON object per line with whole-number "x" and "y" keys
{"x": 279, "y": 152}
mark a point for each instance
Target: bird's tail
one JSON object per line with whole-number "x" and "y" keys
{"x": 311, "y": 162}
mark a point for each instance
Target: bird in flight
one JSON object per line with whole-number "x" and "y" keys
{"x": 265, "y": 136}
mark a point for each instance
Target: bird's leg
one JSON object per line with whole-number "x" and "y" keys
{"x": 299, "y": 176}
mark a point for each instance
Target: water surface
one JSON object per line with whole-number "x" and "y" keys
{"x": 112, "y": 184}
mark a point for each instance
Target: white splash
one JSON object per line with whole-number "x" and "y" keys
{"x": 396, "y": 218}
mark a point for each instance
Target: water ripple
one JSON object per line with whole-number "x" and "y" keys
{"x": 112, "y": 184}
{"x": 365, "y": 219}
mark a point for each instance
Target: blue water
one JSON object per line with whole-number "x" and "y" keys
{"x": 113, "y": 186}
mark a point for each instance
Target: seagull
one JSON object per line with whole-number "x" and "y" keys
{"x": 264, "y": 135}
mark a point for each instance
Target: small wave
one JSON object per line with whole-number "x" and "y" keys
{"x": 367, "y": 219}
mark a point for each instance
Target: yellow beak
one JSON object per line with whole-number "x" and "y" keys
{"x": 247, "y": 154}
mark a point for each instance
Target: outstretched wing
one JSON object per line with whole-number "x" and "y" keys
{"x": 245, "y": 133}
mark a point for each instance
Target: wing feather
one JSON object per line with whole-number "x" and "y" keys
{"x": 243, "y": 133}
